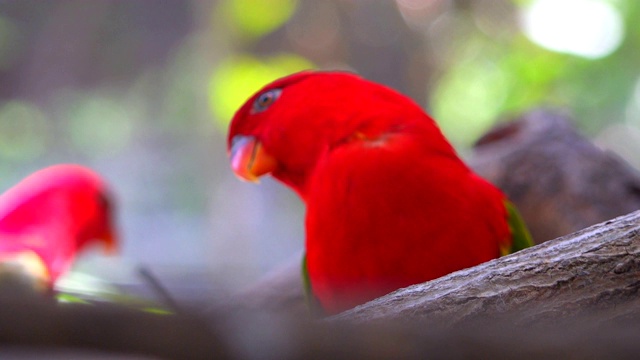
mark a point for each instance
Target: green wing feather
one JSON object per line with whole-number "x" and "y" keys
{"x": 306, "y": 282}
{"x": 520, "y": 236}
{"x": 312, "y": 301}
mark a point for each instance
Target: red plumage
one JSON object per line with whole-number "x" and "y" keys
{"x": 389, "y": 203}
{"x": 54, "y": 213}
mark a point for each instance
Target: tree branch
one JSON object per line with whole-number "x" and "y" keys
{"x": 596, "y": 270}
{"x": 560, "y": 180}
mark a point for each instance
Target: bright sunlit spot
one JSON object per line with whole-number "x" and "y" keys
{"x": 587, "y": 28}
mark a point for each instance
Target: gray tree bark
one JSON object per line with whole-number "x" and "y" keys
{"x": 594, "y": 272}
{"x": 560, "y": 180}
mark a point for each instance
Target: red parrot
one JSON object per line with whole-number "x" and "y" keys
{"x": 52, "y": 214}
{"x": 388, "y": 202}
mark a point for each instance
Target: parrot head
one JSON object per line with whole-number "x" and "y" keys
{"x": 287, "y": 127}
{"x": 71, "y": 193}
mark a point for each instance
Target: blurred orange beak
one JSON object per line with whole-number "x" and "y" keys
{"x": 249, "y": 160}
{"x": 110, "y": 242}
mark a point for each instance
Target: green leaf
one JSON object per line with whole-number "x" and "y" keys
{"x": 237, "y": 78}
{"x": 256, "y": 18}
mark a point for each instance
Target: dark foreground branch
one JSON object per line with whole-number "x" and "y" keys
{"x": 572, "y": 297}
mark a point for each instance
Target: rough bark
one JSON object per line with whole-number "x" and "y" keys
{"x": 595, "y": 270}
{"x": 560, "y": 180}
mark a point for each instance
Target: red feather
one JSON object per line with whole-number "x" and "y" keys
{"x": 389, "y": 203}
{"x": 54, "y": 213}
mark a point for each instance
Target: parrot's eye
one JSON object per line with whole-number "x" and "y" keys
{"x": 266, "y": 99}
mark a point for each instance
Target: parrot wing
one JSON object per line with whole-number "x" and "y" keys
{"x": 520, "y": 236}
{"x": 312, "y": 302}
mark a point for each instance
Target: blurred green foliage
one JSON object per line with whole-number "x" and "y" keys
{"x": 487, "y": 72}
{"x": 145, "y": 93}
{"x": 255, "y": 18}
{"x": 99, "y": 124}
{"x": 23, "y": 131}
{"x": 238, "y": 77}
{"x": 490, "y": 77}
{"x": 485, "y": 67}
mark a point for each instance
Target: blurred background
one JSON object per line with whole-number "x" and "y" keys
{"x": 143, "y": 93}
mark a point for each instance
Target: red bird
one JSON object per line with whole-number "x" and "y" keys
{"x": 389, "y": 203}
{"x": 51, "y": 215}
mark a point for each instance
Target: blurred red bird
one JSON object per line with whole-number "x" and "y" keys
{"x": 389, "y": 203}
{"x": 52, "y": 214}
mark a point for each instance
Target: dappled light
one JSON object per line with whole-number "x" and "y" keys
{"x": 587, "y": 28}
{"x": 239, "y": 77}
{"x": 23, "y": 131}
{"x": 253, "y": 18}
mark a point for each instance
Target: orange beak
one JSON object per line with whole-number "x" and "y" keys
{"x": 249, "y": 160}
{"x": 110, "y": 242}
